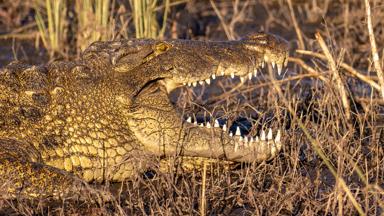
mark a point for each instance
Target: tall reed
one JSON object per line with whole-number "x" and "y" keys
{"x": 94, "y": 23}
{"x": 52, "y": 32}
{"x": 94, "y": 17}
{"x": 144, "y": 16}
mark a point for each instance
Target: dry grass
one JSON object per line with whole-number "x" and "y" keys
{"x": 329, "y": 101}
{"x": 94, "y": 22}
{"x": 65, "y": 28}
{"x": 144, "y": 15}
{"x": 51, "y": 32}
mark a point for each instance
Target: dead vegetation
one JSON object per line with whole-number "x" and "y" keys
{"x": 330, "y": 101}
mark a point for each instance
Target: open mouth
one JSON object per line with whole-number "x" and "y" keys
{"x": 246, "y": 132}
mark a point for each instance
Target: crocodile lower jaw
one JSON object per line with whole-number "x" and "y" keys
{"x": 264, "y": 139}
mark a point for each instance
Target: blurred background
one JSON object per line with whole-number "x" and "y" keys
{"x": 63, "y": 28}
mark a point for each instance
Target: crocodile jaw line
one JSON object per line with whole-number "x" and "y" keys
{"x": 243, "y": 58}
{"x": 276, "y": 62}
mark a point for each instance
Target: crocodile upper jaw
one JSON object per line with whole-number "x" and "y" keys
{"x": 243, "y": 58}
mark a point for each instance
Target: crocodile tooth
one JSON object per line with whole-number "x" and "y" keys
{"x": 216, "y": 123}
{"x": 238, "y": 132}
{"x": 273, "y": 64}
{"x": 189, "y": 84}
{"x": 230, "y": 134}
{"x": 208, "y": 81}
{"x": 255, "y": 72}
{"x": 279, "y": 69}
{"x": 222, "y": 73}
{"x": 242, "y": 79}
{"x": 246, "y": 141}
{"x": 250, "y": 76}
{"x": 184, "y": 83}
{"x": 195, "y": 123}
{"x": 266, "y": 58}
{"x": 251, "y": 140}
{"x": 208, "y": 125}
{"x": 232, "y": 75}
{"x": 262, "y": 136}
{"x": 213, "y": 76}
{"x": 262, "y": 64}
{"x": 189, "y": 119}
{"x": 224, "y": 127}
{"x": 240, "y": 139}
{"x": 201, "y": 82}
{"x": 257, "y": 139}
{"x": 270, "y": 136}
{"x": 194, "y": 84}
{"x": 278, "y": 136}
{"x": 201, "y": 125}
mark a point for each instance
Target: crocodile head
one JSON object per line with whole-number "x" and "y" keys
{"x": 148, "y": 70}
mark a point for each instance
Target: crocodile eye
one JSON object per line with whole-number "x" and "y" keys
{"x": 162, "y": 47}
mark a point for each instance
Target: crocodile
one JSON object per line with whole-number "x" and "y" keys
{"x": 108, "y": 115}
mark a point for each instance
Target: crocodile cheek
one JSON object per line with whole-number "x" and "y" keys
{"x": 165, "y": 134}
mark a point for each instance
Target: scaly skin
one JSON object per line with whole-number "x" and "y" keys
{"x": 108, "y": 115}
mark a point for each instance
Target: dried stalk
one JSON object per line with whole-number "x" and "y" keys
{"x": 297, "y": 29}
{"x": 336, "y": 76}
{"x": 375, "y": 55}
{"x": 221, "y": 18}
{"x": 203, "y": 198}
{"x": 345, "y": 66}
{"x": 308, "y": 68}
{"x": 238, "y": 16}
